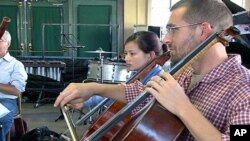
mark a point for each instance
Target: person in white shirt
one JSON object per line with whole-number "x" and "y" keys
{"x": 12, "y": 83}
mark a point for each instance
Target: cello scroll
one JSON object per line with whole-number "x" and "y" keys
{"x": 4, "y": 25}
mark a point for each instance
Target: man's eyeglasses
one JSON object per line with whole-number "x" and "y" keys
{"x": 171, "y": 29}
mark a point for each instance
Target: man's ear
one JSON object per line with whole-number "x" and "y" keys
{"x": 8, "y": 44}
{"x": 206, "y": 31}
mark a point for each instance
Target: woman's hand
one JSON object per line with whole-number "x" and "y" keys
{"x": 75, "y": 94}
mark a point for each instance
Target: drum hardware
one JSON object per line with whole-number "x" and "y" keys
{"x": 101, "y": 57}
{"x": 106, "y": 71}
{"x": 112, "y": 72}
{"x": 74, "y": 49}
{"x": 100, "y": 52}
{"x": 71, "y": 42}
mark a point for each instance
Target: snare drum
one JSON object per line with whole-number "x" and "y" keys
{"x": 121, "y": 73}
{"x": 111, "y": 72}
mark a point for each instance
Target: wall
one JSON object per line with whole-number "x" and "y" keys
{"x": 45, "y": 28}
{"x": 247, "y": 4}
{"x": 135, "y": 13}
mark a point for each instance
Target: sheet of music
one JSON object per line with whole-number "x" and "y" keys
{"x": 4, "y": 111}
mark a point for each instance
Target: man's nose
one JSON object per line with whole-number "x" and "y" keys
{"x": 167, "y": 39}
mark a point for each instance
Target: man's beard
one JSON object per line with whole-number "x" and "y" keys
{"x": 191, "y": 45}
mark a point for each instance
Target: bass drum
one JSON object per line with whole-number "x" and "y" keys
{"x": 112, "y": 72}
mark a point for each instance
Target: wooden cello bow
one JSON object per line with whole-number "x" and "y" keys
{"x": 117, "y": 106}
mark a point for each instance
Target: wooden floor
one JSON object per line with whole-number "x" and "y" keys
{"x": 46, "y": 115}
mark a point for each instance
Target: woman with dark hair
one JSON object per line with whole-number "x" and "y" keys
{"x": 139, "y": 49}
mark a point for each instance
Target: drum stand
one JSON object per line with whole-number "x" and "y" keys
{"x": 101, "y": 67}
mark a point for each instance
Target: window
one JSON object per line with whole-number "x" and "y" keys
{"x": 239, "y": 2}
{"x": 161, "y": 7}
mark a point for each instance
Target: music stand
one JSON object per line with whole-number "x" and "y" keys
{"x": 71, "y": 42}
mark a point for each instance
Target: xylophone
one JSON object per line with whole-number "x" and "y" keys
{"x": 52, "y": 69}
{"x": 43, "y": 74}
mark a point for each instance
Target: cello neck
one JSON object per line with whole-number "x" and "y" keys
{"x": 160, "y": 60}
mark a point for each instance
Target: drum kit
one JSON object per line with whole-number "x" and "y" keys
{"x": 104, "y": 71}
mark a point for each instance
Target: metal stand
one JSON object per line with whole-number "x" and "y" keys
{"x": 74, "y": 49}
{"x": 101, "y": 67}
{"x": 71, "y": 40}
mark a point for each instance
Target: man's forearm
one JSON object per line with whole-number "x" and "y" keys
{"x": 10, "y": 89}
{"x": 198, "y": 125}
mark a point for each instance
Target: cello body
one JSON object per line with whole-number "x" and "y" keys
{"x": 109, "y": 113}
{"x": 150, "y": 126}
{"x": 147, "y": 124}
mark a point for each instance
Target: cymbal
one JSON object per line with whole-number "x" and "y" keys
{"x": 99, "y": 51}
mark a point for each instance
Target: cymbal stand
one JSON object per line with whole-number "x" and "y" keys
{"x": 101, "y": 67}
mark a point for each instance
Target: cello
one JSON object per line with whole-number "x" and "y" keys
{"x": 151, "y": 117}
